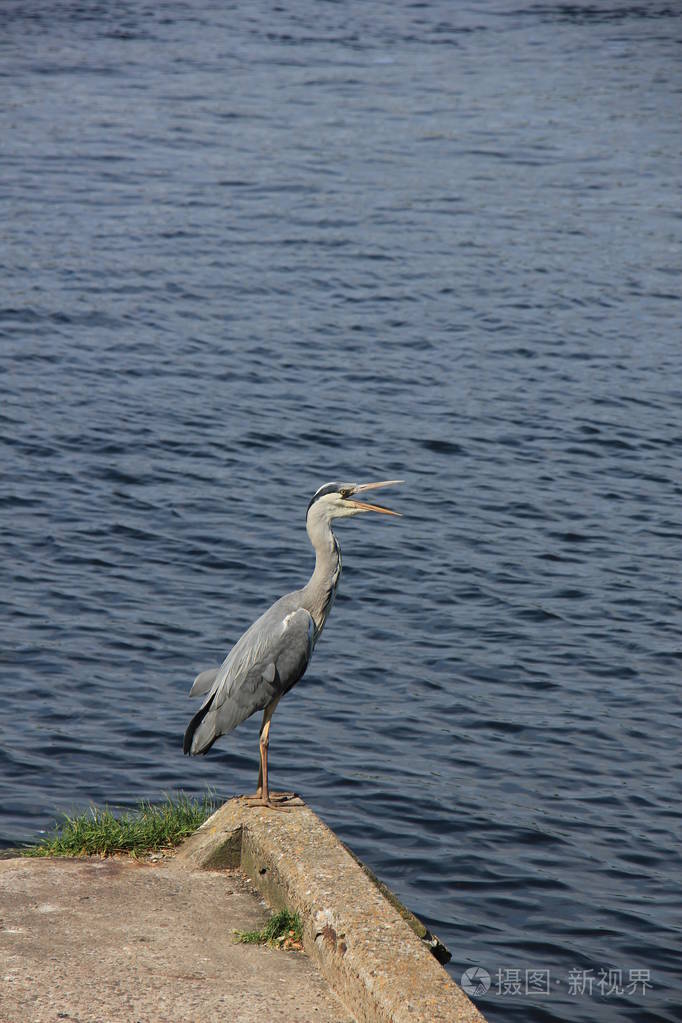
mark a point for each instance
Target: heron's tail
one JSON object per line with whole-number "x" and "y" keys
{"x": 200, "y": 734}
{"x": 203, "y": 682}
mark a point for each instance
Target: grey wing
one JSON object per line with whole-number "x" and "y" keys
{"x": 267, "y": 661}
{"x": 203, "y": 682}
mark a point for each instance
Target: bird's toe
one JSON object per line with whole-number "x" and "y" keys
{"x": 269, "y": 802}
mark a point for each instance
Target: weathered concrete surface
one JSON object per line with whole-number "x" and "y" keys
{"x": 368, "y": 953}
{"x": 116, "y": 941}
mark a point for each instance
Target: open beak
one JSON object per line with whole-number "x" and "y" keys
{"x": 361, "y": 487}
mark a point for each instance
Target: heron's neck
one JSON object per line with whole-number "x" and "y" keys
{"x": 318, "y": 595}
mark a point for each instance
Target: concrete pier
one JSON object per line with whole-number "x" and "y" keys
{"x": 123, "y": 941}
{"x": 117, "y": 941}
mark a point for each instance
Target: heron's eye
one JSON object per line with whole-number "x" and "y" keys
{"x": 346, "y": 492}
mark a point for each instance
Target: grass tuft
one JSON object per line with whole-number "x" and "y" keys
{"x": 147, "y": 829}
{"x": 283, "y": 930}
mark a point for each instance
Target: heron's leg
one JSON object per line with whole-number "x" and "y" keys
{"x": 267, "y": 714}
{"x": 262, "y": 796}
{"x": 259, "y": 790}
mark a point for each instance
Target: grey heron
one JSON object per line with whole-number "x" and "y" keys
{"x": 275, "y": 651}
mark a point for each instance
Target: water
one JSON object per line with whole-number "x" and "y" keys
{"x": 247, "y": 249}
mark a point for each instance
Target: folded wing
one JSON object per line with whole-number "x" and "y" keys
{"x": 264, "y": 664}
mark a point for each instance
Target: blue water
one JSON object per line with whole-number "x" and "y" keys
{"x": 250, "y": 248}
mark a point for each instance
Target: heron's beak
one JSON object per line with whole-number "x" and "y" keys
{"x": 373, "y": 507}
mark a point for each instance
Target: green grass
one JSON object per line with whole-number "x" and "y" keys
{"x": 283, "y": 929}
{"x": 147, "y": 829}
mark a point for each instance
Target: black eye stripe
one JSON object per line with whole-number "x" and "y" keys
{"x": 328, "y": 488}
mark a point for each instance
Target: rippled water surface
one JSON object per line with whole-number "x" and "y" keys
{"x": 250, "y": 248}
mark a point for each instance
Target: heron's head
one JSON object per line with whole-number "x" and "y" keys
{"x": 337, "y": 500}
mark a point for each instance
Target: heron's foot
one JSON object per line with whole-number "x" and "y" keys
{"x": 283, "y": 797}
{"x": 274, "y": 797}
{"x": 271, "y": 802}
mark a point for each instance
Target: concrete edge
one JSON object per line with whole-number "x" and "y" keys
{"x": 431, "y": 941}
{"x": 368, "y": 953}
